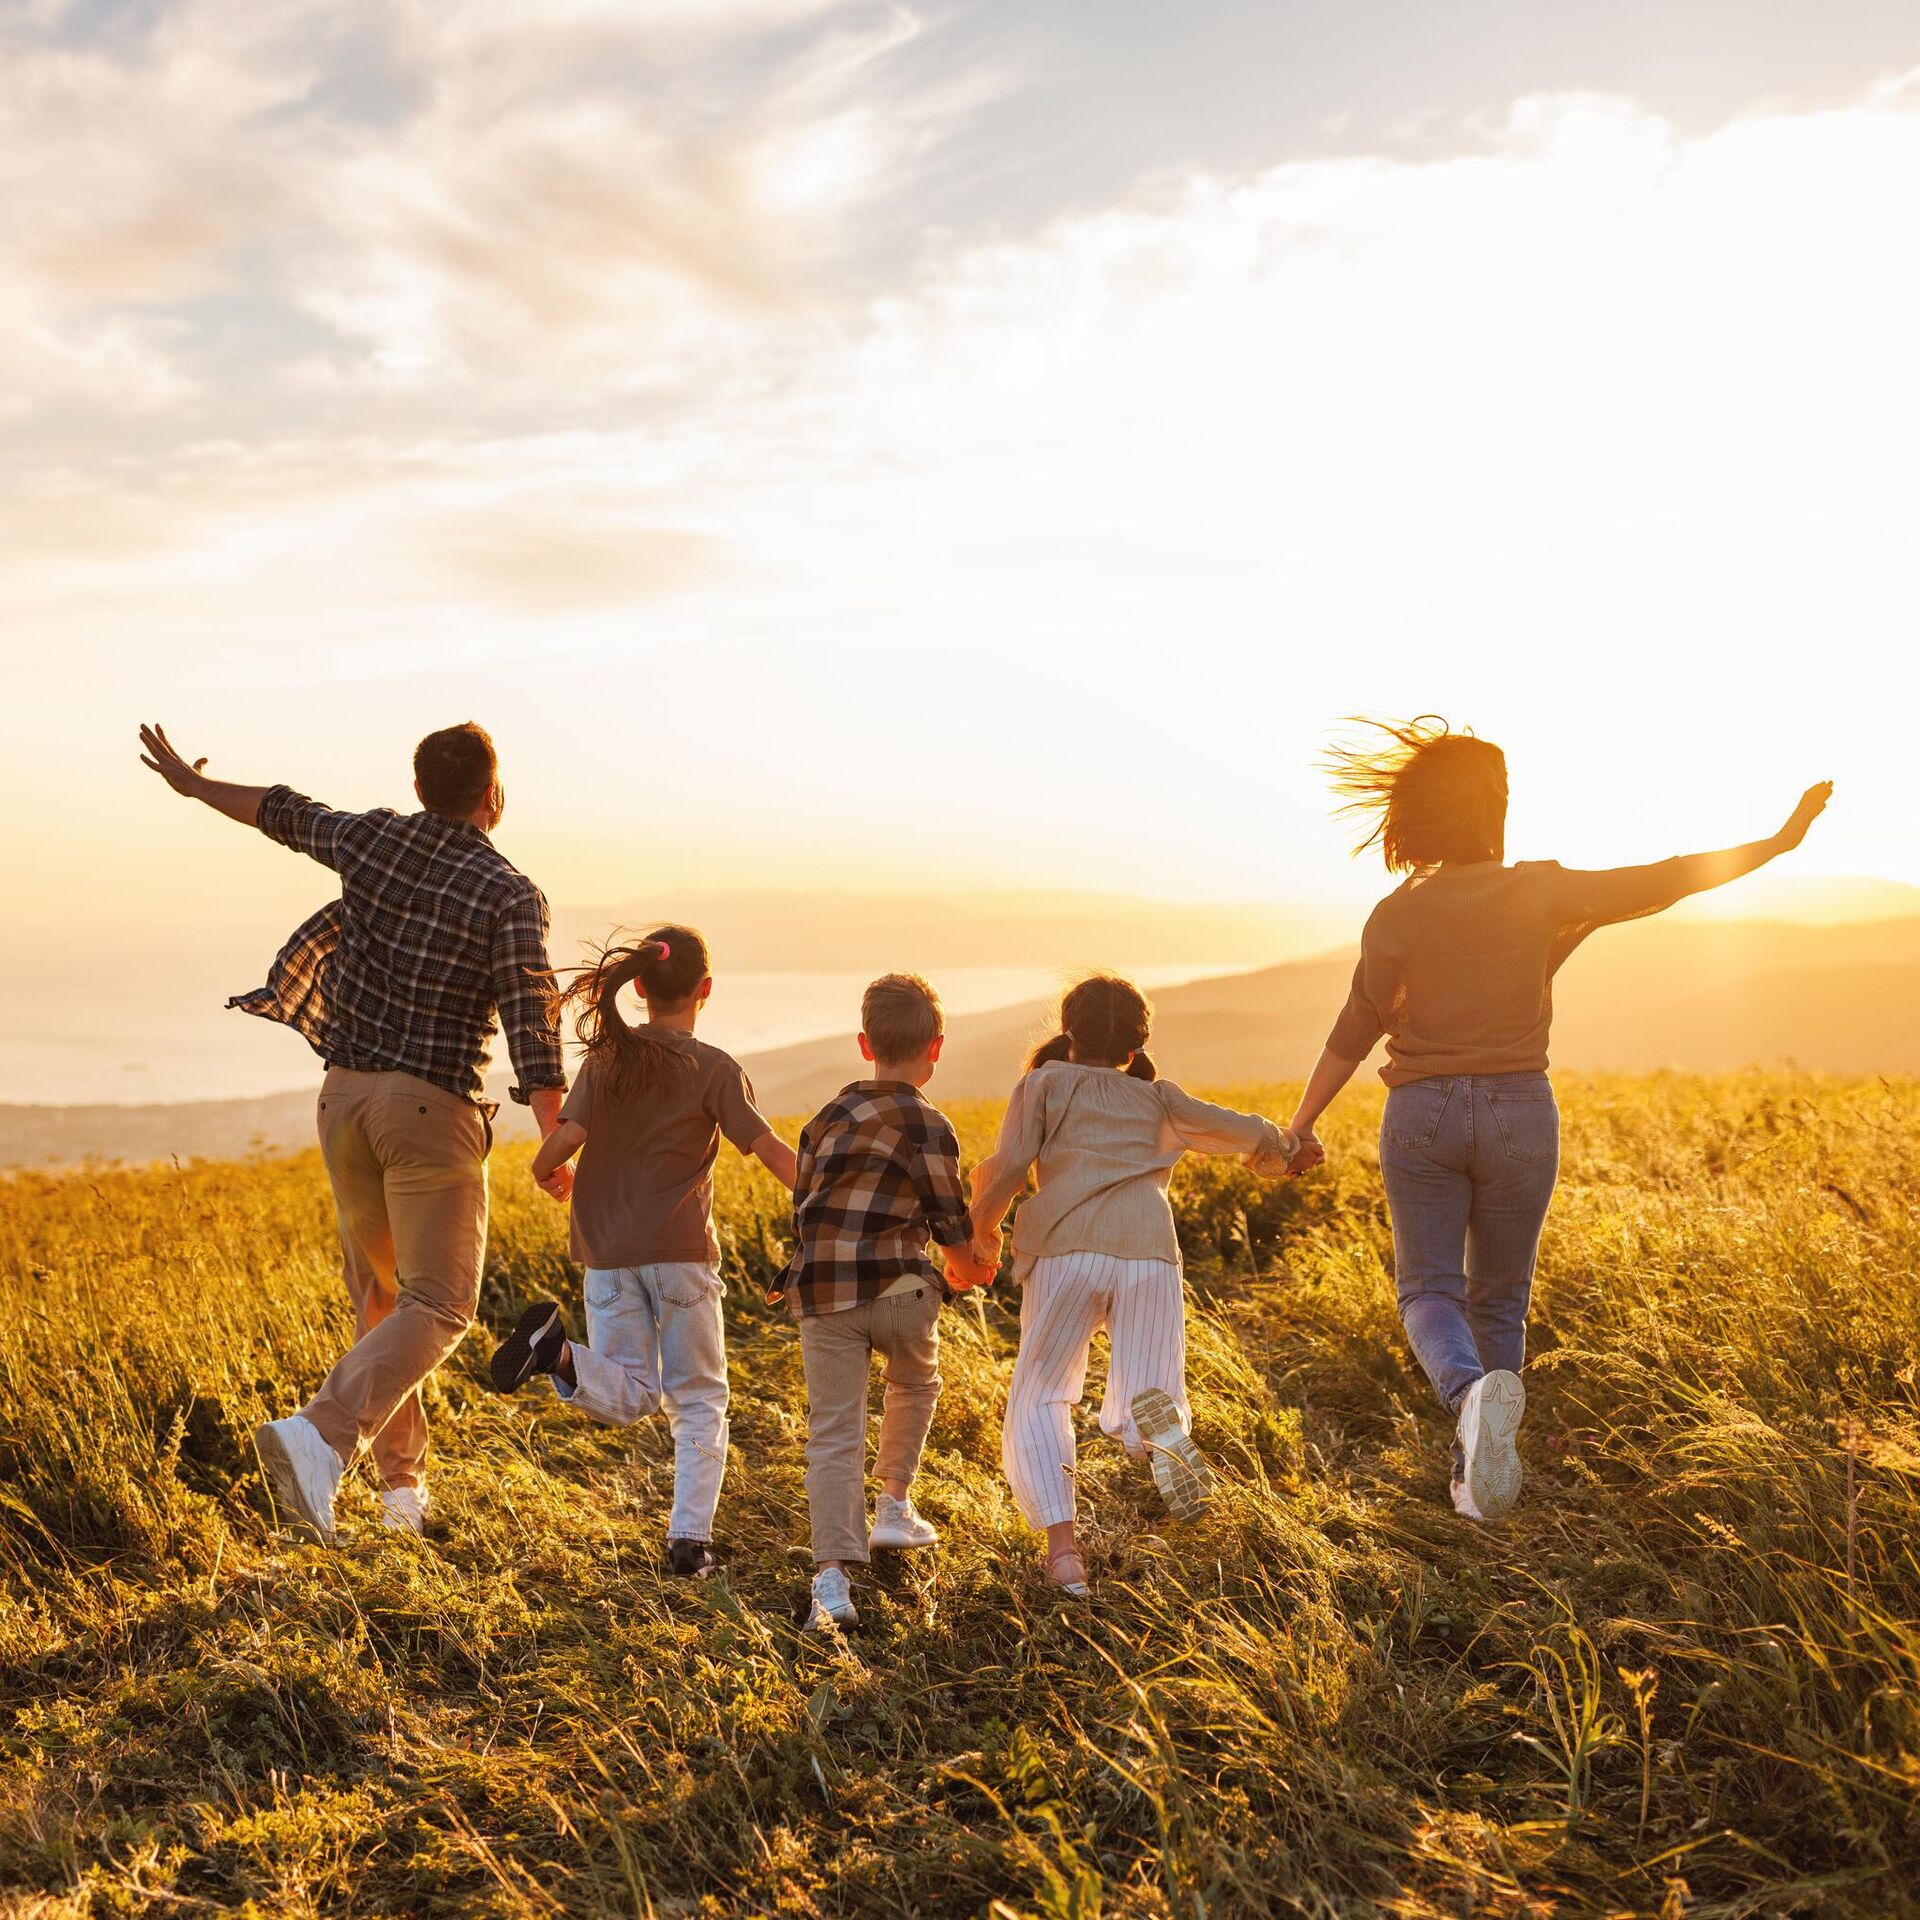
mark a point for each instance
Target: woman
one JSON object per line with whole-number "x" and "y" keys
{"x": 1456, "y": 970}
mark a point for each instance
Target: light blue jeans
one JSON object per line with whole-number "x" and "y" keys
{"x": 1469, "y": 1163}
{"x": 655, "y": 1339}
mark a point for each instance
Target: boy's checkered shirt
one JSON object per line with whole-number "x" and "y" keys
{"x": 879, "y": 1172}
{"x": 434, "y": 929}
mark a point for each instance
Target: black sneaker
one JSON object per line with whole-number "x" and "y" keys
{"x": 532, "y": 1347}
{"x": 690, "y": 1560}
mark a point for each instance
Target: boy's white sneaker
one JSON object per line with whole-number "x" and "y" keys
{"x": 303, "y": 1472}
{"x": 898, "y": 1523}
{"x": 832, "y": 1601}
{"x": 1490, "y": 1418}
{"x": 404, "y": 1509}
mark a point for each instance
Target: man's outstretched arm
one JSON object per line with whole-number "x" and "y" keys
{"x": 223, "y": 796}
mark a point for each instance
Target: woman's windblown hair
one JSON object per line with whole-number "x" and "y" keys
{"x": 1426, "y": 793}
{"x": 667, "y": 966}
{"x": 1105, "y": 1019}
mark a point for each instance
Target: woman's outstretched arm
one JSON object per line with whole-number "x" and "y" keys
{"x": 1703, "y": 870}
{"x": 1625, "y": 893}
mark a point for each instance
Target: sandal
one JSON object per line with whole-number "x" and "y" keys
{"x": 1074, "y": 1589}
{"x": 1180, "y": 1469}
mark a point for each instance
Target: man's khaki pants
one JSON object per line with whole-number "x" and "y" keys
{"x": 408, "y": 1162}
{"x": 836, "y": 1349}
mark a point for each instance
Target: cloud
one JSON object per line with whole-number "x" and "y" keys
{"x": 480, "y": 195}
{"x": 1589, "y": 431}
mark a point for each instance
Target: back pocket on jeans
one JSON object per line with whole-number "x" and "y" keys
{"x": 1529, "y": 1124}
{"x": 1414, "y": 1112}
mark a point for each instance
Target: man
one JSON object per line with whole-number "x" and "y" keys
{"x": 395, "y": 985}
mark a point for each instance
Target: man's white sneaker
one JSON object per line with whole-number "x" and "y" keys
{"x": 897, "y": 1523}
{"x": 1490, "y": 1418}
{"x": 832, "y": 1601}
{"x": 404, "y": 1509}
{"x": 303, "y": 1472}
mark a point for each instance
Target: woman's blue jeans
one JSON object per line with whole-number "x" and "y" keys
{"x": 1469, "y": 1163}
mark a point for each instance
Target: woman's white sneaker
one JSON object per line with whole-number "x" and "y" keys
{"x": 1490, "y": 1417}
{"x": 898, "y": 1523}
{"x": 303, "y": 1472}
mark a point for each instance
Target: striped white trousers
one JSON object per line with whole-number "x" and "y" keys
{"x": 1067, "y": 1299}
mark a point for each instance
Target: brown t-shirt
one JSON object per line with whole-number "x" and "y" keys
{"x": 1456, "y": 966}
{"x": 643, "y": 1191}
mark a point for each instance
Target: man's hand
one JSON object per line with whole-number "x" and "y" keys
{"x": 169, "y": 764}
{"x": 238, "y": 803}
{"x": 1813, "y": 803}
{"x": 559, "y": 1183}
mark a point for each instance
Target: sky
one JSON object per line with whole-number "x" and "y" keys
{"x": 928, "y": 447}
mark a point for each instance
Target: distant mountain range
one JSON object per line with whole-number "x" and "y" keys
{"x": 1694, "y": 994}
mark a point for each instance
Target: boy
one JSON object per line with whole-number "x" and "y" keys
{"x": 879, "y": 1172}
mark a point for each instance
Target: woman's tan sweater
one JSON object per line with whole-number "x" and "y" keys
{"x": 1101, "y": 1146}
{"x": 1456, "y": 966}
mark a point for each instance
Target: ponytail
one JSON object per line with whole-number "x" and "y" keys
{"x": 1103, "y": 1018}
{"x": 668, "y": 967}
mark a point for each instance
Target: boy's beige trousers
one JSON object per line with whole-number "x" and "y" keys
{"x": 836, "y": 1350}
{"x": 408, "y": 1163}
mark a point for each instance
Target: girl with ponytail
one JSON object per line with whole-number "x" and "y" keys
{"x": 1094, "y": 1246}
{"x": 646, "y": 1116}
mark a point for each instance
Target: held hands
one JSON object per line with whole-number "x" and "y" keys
{"x": 1308, "y": 1154}
{"x": 1813, "y": 803}
{"x": 972, "y": 1266}
{"x": 558, "y": 1184}
{"x": 171, "y": 765}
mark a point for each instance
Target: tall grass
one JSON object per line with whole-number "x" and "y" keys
{"x": 1685, "y": 1679}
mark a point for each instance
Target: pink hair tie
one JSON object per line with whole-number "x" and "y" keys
{"x": 665, "y": 950}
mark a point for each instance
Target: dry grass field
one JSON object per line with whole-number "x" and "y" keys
{"x": 1683, "y": 1680}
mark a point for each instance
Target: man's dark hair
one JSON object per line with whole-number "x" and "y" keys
{"x": 455, "y": 768}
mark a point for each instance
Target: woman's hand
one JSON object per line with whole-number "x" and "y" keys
{"x": 1813, "y": 803}
{"x": 558, "y": 1183}
{"x": 1308, "y": 1154}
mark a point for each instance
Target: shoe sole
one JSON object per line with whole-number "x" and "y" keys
{"x": 283, "y": 1484}
{"x": 1493, "y": 1460}
{"x": 878, "y": 1539}
{"x": 513, "y": 1364}
{"x": 1180, "y": 1469}
{"x": 819, "y": 1620}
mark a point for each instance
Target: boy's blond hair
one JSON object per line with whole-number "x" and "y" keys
{"x": 900, "y": 1015}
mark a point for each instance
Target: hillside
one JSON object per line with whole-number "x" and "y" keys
{"x": 1698, "y": 996}
{"x": 1680, "y": 1681}
{"x": 1692, "y": 995}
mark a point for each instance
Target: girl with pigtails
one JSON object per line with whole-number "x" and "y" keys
{"x": 645, "y": 1118}
{"x": 1094, "y": 1246}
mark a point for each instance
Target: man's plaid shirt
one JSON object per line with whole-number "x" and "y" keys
{"x": 432, "y": 932}
{"x": 879, "y": 1171}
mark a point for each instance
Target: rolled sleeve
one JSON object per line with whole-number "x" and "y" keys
{"x": 1604, "y": 895}
{"x": 304, "y": 825}
{"x": 1357, "y": 1031}
{"x": 936, "y": 1179}
{"x": 523, "y": 995}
